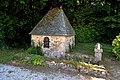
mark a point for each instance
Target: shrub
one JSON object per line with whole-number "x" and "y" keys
{"x": 85, "y": 34}
{"x": 30, "y": 59}
{"x": 116, "y": 46}
{"x": 35, "y": 49}
{"x": 37, "y": 62}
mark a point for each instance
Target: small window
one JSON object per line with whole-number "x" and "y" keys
{"x": 46, "y": 42}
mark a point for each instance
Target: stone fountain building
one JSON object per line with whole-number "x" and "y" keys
{"x": 55, "y": 33}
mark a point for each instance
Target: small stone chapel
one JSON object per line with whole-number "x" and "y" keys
{"x": 55, "y": 33}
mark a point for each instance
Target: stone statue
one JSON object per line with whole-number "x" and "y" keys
{"x": 98, "y": 53}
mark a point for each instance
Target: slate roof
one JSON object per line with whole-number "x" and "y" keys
{"x": 54, "y": 22}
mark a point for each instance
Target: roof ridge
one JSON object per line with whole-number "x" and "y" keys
{"x": 55, "y": 22}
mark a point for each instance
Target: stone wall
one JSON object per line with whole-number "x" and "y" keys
{"x": 95, "y": 71}
{"x": 58, "y": 44}
{"x": 69, "y": 42}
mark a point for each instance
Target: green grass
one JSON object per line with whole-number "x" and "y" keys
{"x": 88, "y": 48}
{"x": 20, "y": 56}
{"x": 84, "y": 48}
{"x": 107, "y": 50}
{"x": 5, "y": 57}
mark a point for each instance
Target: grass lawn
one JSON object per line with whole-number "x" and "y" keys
{"x": 84, "y": 48}
{"x": 20, "y": 56}
{"x": 88, "y": 48}
{"x": 7, "y": 55}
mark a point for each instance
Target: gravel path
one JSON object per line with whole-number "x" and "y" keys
{"x": 8, "y": 72}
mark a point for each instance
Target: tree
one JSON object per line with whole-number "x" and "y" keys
{"x": 93, "y": 20}
{"x": 21, "y": 17}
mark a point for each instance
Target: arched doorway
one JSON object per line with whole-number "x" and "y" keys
{"x": 46, "y": 42}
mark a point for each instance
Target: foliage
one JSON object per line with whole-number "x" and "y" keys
{"x": 37, "y": 62}
{"x": 34, "y": 62}
{"x": 40, "y": 60}
{"x": 5, "y": 57}
{"x": 3, "y": 19}
{"x": 18, "y": 17}
{"x": 71, "y": 47}
{"x": 116, "y": 46}
{"x": 33, "y": 59}
{"x": 89, "y": 21}
{"x": 112, "y": 23}
{"x": 35, "y": 49}
{"x": 86, "y": 34}
{"x": 96, "y": 20}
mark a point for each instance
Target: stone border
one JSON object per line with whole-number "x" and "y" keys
{"x": 99, "y": 71}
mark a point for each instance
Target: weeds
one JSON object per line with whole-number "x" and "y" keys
{"x": 33, "y": 59}
{"x": 35, "y": 49}
{"x": 5, "y": 57}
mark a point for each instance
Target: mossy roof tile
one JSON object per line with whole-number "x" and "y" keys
{"x": 54, "y": 22}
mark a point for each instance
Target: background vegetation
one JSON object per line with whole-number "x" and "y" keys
{"x": 93, "y": 20}
{"x": 116, "y": 46}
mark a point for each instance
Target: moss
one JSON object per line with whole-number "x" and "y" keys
{"x": 52, "y": 24}
{"x": 88, "y": 66}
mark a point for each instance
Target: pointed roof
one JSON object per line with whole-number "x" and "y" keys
{"x": 54, "y": 22}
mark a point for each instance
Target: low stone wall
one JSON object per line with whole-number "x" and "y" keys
{"x": 55, "y": 54}
{"x": 94, "y": 72}
{"x": 99, "y": 72}
{"x": 80, "y": 57}
{"x": 61, "y": 66}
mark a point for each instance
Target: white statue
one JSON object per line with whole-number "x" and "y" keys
{"x": 98, "y": 53}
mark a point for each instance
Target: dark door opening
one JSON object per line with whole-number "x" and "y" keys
{"x": 46, "y": 42}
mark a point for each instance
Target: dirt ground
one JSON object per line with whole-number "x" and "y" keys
{"x": 112, "y": 65}
{"x": 44, "y": 69}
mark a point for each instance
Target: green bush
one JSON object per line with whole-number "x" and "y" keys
{"x": 35, "y": 49}
{"x": 85, "y": 34}
{"x": 116, "y": 46}
{"x": 37, "y": 62}
{"x": 33, "y": 59}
